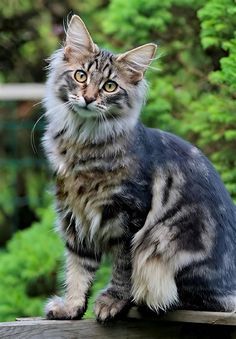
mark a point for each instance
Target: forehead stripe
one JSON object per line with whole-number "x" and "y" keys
{"x": 90, "y": 65}
{"x": 109, "y": 73}
{"x": 107, "y": 65}
{"x": 96, "y": 62}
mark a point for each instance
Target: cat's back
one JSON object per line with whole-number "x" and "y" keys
{"x": 169, "y": 148}
{"x": 186, "y": 172}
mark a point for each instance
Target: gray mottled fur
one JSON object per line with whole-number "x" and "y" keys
{"x": 148, "y": 197}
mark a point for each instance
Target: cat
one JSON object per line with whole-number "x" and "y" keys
{"x": 148, "y": 197}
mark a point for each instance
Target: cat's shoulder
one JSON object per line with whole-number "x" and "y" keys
{"x": 171, "y": 145}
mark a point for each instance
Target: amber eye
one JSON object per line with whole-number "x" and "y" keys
{"x": 80, "y": 76}
{"x": 110, "y": 86}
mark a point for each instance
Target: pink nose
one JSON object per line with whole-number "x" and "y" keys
{"x": 89, "y": 100}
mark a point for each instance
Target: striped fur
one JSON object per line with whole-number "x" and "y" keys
{"x": 148, "y": 197}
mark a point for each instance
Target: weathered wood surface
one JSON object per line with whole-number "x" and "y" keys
{"x": 179, "y": 324}
{"x": 22, "y": 91}
{"x": 132, "y": 329}
{"x": 200, "y": 317}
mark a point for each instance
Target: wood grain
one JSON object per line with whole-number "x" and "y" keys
{"x": 178, "y": 324}
{"x": 198, "y": 317}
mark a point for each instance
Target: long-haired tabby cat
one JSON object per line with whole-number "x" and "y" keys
{"x": 151, "y": 199}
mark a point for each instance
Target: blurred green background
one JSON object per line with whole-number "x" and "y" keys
{"x": 192, "y": 93}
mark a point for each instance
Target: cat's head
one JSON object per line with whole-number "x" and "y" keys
{"x": 97, "y": 84}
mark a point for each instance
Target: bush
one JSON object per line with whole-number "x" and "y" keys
{"x": 30, "y": 270}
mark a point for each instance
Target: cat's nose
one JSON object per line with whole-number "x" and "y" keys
{"x": 88, "y": 100}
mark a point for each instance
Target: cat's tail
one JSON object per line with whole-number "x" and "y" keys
{"x": 153, "y": 280}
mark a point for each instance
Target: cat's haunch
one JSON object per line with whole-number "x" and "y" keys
{"x": 148, "y": 197}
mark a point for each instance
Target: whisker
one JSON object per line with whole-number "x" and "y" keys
{"x": 38, "y": 103}
{"x": 32, "y": 138}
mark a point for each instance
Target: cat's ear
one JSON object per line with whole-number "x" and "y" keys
{"x": 78, "y": 39}
{"x": 138, "y": 59}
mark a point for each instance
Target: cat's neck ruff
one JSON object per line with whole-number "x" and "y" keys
{"x": 91, "y": 130}
{"x": 69, "y": 139}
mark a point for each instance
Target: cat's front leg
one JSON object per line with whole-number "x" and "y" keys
{"x": 115, "y": 300}
{"x": 81, "y": 265}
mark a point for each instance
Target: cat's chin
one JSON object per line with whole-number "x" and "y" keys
{"x": 85, "y": 112}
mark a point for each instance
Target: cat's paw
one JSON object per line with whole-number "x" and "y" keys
{"x": 108, "y": 307}
{"x": 58, "y": 309}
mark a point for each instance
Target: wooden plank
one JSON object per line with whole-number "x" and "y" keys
{"x": 81, "y": 329}
{"x": 24, "y": 91}
{"x": 177, "y": 324}
{"x": 201, "y": 317}
{"x": 197, "y": 317}
{"x": 131, "y": 329}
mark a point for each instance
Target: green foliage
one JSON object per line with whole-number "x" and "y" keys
{"x": 218, "y": 31}
{"x": 215, "y": 133}
{"x": 29, "y": 268}
{"x": 31, "y": 30}
{"x": 214, "y": 113}
{"x": 218, "y": 21}
{"x": 227, "y": 74}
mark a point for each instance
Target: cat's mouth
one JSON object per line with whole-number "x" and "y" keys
{"x": 85, "y": 111}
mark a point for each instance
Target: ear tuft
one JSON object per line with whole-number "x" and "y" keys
{"x": 78, "y": 37}
{"x": 139, "y": 58}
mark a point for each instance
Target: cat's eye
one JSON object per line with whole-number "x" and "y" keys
{"x": 80, "y": 76}
{"x": 110, "y": 86}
